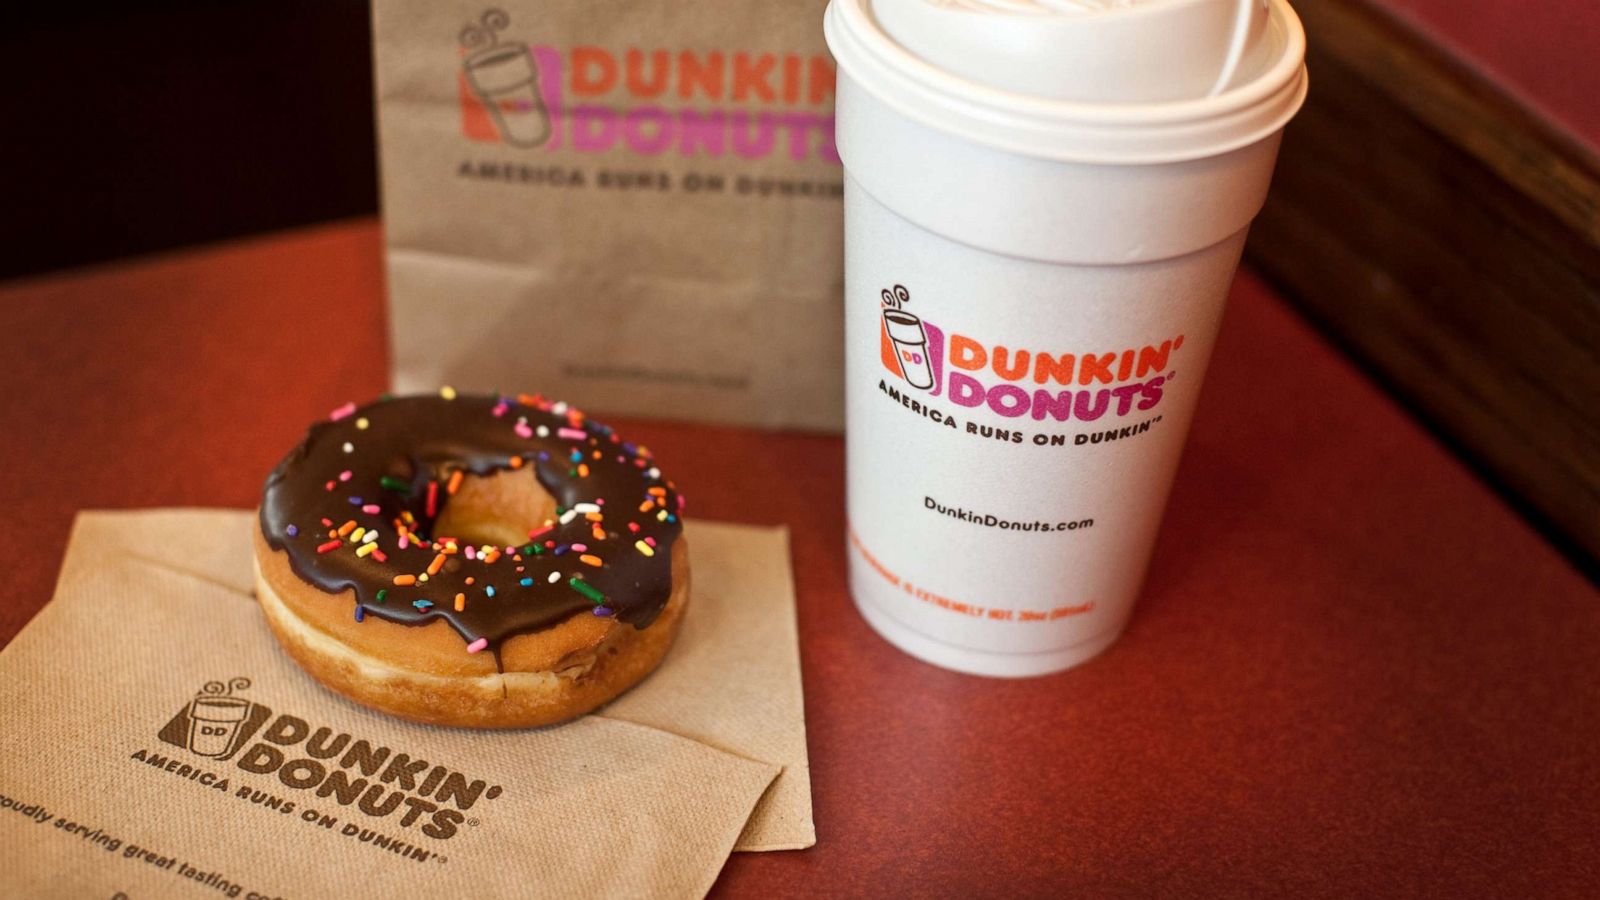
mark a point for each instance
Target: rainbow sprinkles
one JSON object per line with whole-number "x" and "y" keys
{"x": 355, "y": 506}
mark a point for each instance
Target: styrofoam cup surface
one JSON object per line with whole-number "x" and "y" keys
{"x": 1002, "y": 501}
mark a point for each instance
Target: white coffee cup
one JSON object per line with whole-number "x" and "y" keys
{"x": 1052, "y": 197}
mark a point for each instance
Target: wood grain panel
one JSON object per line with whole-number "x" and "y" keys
{"x": 1451, "y": 241}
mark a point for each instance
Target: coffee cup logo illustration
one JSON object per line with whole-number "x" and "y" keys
{"x": 505, "y": 80}
{"x": 906, "y": 337}
{"x": 215, "y": 724}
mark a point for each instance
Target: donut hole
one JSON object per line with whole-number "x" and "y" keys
{"x": 498, "y": 509}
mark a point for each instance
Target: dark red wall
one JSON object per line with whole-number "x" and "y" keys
{"x": 1547, "y": 52}
{"x": 140, "y": 125}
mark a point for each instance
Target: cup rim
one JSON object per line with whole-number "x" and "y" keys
{"x": 214, "y": 701}
{"x": 1071, "y": 130}
{"x": 494, "y": 53}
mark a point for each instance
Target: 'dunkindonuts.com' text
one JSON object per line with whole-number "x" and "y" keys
{"x": 989, "y": 520}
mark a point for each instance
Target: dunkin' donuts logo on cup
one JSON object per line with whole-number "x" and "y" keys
{"x": 215, "y": 724}
{"x": 905, "y": 340}
{"x": 593, "y": 99}
{"x": 1017, "y": 382}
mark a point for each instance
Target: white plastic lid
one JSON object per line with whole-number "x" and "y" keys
{"x": 1096, "y": 51}
{"x": 1097, "y": 81}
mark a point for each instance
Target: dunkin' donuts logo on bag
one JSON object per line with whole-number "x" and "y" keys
{"x": 1019, "y": 382}
{"x": 590, "y": 99}
{"x": 285, "y": 764}
{"x": 500, "y": 86}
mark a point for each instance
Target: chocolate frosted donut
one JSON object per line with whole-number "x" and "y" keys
{"x": 400, "y": 540}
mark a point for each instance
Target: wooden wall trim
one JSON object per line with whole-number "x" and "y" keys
{"x": 1545, "y": 164}
{"x": 1450, "y": 240}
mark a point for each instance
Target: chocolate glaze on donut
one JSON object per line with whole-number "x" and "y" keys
{"x": 373, "y": 467}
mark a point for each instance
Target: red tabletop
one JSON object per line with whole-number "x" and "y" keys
{"x": 1355, "y": 670}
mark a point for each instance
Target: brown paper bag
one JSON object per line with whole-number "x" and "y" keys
{"x": 160, "y": 744}
{"x": 633, "y": 205}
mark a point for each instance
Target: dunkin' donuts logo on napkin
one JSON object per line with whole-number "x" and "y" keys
{"x": 1017, "y": 382}
{"x": 594, "y": 99}
{"x": 326, "y": 778}
{"x": 215, "y": 723}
